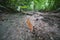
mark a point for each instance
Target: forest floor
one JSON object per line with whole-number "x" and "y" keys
{"x": 13, "y": 27}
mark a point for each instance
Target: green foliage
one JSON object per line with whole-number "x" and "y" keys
{"x": 45, "y": 5}
{"x": 19, "y": 4}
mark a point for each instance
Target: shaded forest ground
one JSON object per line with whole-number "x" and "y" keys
{"x": 13, "y": 27}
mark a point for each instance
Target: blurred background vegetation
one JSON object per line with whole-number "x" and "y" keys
{"x": 29, "y": 5}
